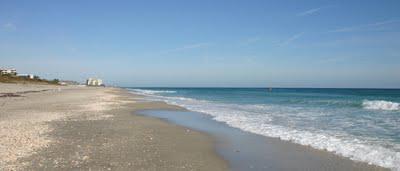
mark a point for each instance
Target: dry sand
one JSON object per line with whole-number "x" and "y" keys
{"x": 72, "y": 127}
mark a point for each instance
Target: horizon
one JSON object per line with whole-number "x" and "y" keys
{"x": 263, "y": 88}
{"x": 207, "y": 44}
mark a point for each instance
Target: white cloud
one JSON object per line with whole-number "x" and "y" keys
{"x": 193, "y": 46}
{"x": 9, "y": 26}
{"x": 364, "y": 26}
{"x": 291, "y": 39}
{"x": 187, "y": 47}
{"x": 383, "y": 22}
{"x": 250, "y": 40}
{"x": 309, "y": 12}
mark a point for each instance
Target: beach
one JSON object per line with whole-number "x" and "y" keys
{"x": 48, "y": 127}
{"x": 200, "y": 85}
{"x": 71, "y": 127}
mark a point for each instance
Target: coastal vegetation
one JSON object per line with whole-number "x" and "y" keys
{"x": 8, "y": 78}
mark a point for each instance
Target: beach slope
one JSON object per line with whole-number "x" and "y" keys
{"x": 69, "y": 127}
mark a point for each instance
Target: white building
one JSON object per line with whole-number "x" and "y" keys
{"x": 4, "y": 71}
{"x": 30, "y": 76}
{"x": 94, "y": 82}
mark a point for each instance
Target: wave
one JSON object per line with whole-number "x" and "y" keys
{"x": 380, "y": 105}
{"x": 257, "y": 119}
{"x": 152, "y": 92}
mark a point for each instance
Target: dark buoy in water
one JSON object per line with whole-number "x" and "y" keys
{"x": 270, "y": 89}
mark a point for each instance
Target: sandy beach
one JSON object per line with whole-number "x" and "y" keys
{"x": 204, "y": 85}
{"x": 71, "y": 127}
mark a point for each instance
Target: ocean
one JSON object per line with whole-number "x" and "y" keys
{"x": 361, "y": 124}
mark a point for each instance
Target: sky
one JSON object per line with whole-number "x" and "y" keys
{"x": 207, "y": 43}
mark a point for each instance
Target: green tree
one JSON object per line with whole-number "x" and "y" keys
{"x": 55, "y": 81}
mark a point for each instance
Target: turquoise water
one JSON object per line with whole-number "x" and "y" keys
{"x": 362, "y": 124}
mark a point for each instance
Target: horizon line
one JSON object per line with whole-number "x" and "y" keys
{"x": 248, "y": 87}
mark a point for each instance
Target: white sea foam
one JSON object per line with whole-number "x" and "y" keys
{"x": 380, "y": 105}
{"x": 152, "y": 92}
{"x": 258, "y": 119}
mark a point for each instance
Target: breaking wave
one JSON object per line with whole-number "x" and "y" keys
{"x": 380, "y": 105}
{"x": 152, "y": 92}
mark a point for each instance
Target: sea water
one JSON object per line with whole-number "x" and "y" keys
{"x": 361, "y": 124}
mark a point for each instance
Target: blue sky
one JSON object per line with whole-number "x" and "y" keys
{"x": 234, "y": 43}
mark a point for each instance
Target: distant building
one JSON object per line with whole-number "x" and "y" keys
{"x": 68, "y": 82}
{"x": 94, "y": 82}
{"x": 4, "y": 71}
{"x": 29, "y": 76}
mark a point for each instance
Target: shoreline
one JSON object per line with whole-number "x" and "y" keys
{"x": 329, "y": 159}
{"x": 75, "y": 127}
{"x": 265, "y": 152}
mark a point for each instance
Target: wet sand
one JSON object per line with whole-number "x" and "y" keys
{"x": 248, "y": 151}
{"x": 80, "y": 128}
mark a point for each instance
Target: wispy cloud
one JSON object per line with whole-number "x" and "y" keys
{"x": 250, "y": 40}
{"x": 187, "y": 47}
{"x": 384, "y": 22}
{"x": 364, "y": 26}
{"x": 309, "y": 12}
{"x": 9, "y": 26}
{"x": 291, "y": 39}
